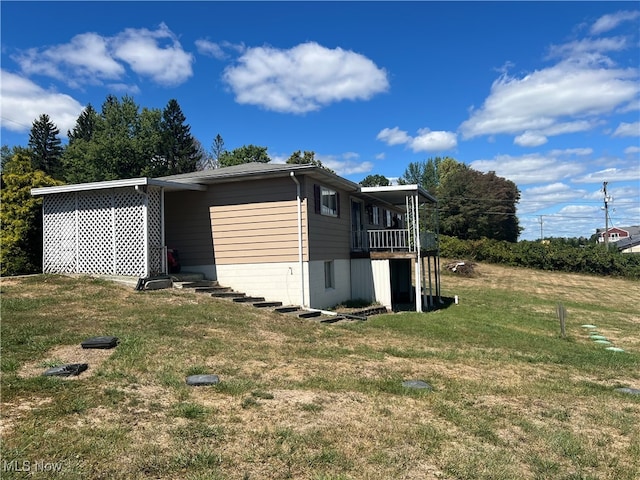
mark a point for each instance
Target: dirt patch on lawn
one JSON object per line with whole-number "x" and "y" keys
{"x": 94, "y": 357}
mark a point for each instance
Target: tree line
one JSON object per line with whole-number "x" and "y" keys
{"x": 471, "y": 204}
{"x": 119, "y": 141}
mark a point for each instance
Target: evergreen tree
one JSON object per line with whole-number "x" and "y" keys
{"x": 178, "y": 148}
{"x": 115, "y": 138}
{"x": 21, "y": 215}
{"x": 217, "y": 151}
{"x": 85, "y": 125}
{"x": 46, "y": 146}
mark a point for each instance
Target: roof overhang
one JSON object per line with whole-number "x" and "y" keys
{"x": 397, "y": 194}
{"x": 128, "y": 182}
{"x": 261, "y": 171}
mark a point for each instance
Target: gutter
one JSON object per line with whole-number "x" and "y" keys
{"x": 300, "y": 260}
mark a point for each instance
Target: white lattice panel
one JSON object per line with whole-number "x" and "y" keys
{"x": 103, "y": 232}
{"x": 95, "y": 232}
{"x": 154, "y": 226}
{"x": 59, "y": 241}
{"x": 129, "y": 232}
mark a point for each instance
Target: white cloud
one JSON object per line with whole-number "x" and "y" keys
{"x": 210, "y": 49}
{"x": 23, "y": 101}
{"x": 565, "y": 97}
{"x": 529, "y": 169}
{"x": 425, "y": 141}
{"x": 541, "y": 100}
{"x": 393, "y": 136}
{"x": 304, "y": 78}
{"x": 611, "y": 21}
{"x": 143, "y": 50}
{"x": 627, "y": 130}
{"x": 345, "y": 164}
{"x": 572, "y": 151}
{"x": 632, "y": 150}
{"x": 546, "y": 196}
{"x": 429, "y": 141}
{"x": 530, "y": 139}
{"x": 92, "y": 59}
{"x": 83, "y": 60}
{"x": 611, "y": 174}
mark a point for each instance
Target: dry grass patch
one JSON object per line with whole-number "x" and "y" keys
{"x": 511, "y": 399}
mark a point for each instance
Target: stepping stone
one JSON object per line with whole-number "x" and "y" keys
{"x": 67, "y": 370}
{"x": 589, "y": 326}
{"x": 631, "y": 391}
{"x": 603, "y": 342}
{"x": 198, "y": 380}
{"x": 416, "y": 384}
{"x": 100, "y": 342}
{"x": 614, "y": 349}
{"x": 598, "y": 337}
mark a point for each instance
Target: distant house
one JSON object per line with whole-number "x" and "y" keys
{"x": 297, "y": 234}
{"x": 616, "y": 234}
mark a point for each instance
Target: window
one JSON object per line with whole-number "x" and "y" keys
{"x": 327, "y": 201}
{"x": 374, "y": 215}
{"x": 329, "y": 277}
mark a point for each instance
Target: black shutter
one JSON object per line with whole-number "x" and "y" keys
{"x": 316, "y": 198}
{"x": 338, "y": 204}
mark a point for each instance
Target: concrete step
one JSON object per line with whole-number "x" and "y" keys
{"x": 187, "y": 277}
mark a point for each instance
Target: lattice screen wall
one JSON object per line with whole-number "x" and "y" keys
{"x": 103, "y": 232}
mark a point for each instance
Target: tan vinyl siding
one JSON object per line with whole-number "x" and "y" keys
{"x": 256, "y": 224}
{"x": 330, "y": 237}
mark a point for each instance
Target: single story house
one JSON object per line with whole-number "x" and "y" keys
{"x": 298, "y": 234}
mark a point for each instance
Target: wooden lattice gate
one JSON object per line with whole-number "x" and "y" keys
{"x": 114, "y": 231}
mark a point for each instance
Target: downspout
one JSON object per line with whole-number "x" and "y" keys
{"x": 300, "y": 262}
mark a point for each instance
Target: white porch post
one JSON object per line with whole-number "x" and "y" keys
{"x": 416, "y": 241}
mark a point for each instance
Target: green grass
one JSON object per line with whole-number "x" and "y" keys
{"x": 511, "y": 398}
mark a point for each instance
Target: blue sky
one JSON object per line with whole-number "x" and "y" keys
{"x": 546, "y": 94}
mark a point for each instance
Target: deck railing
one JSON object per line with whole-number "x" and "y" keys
{"x": 394, "y": 240}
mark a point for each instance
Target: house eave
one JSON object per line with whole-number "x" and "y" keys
{"x": 108, "y": 184}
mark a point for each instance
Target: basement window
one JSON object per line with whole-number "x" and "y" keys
{"x": 329, "y": 275}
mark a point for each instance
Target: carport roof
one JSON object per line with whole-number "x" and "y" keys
{"x": 397, "y": 194}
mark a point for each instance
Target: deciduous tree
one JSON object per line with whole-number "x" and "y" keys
{"x": 21, "y": 215}
{"x": 244, "y": 154}
{"x": 375, "y": 181}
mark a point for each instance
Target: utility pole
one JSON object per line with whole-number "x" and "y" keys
{"x": 606, "y": 217}
{"x": 540, "y": 220}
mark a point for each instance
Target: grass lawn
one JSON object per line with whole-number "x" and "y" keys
{"x": 511, "y": 398}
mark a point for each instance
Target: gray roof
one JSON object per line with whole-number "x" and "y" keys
{"x": 628, "y": 242}
{"x": 256, "y": 170}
